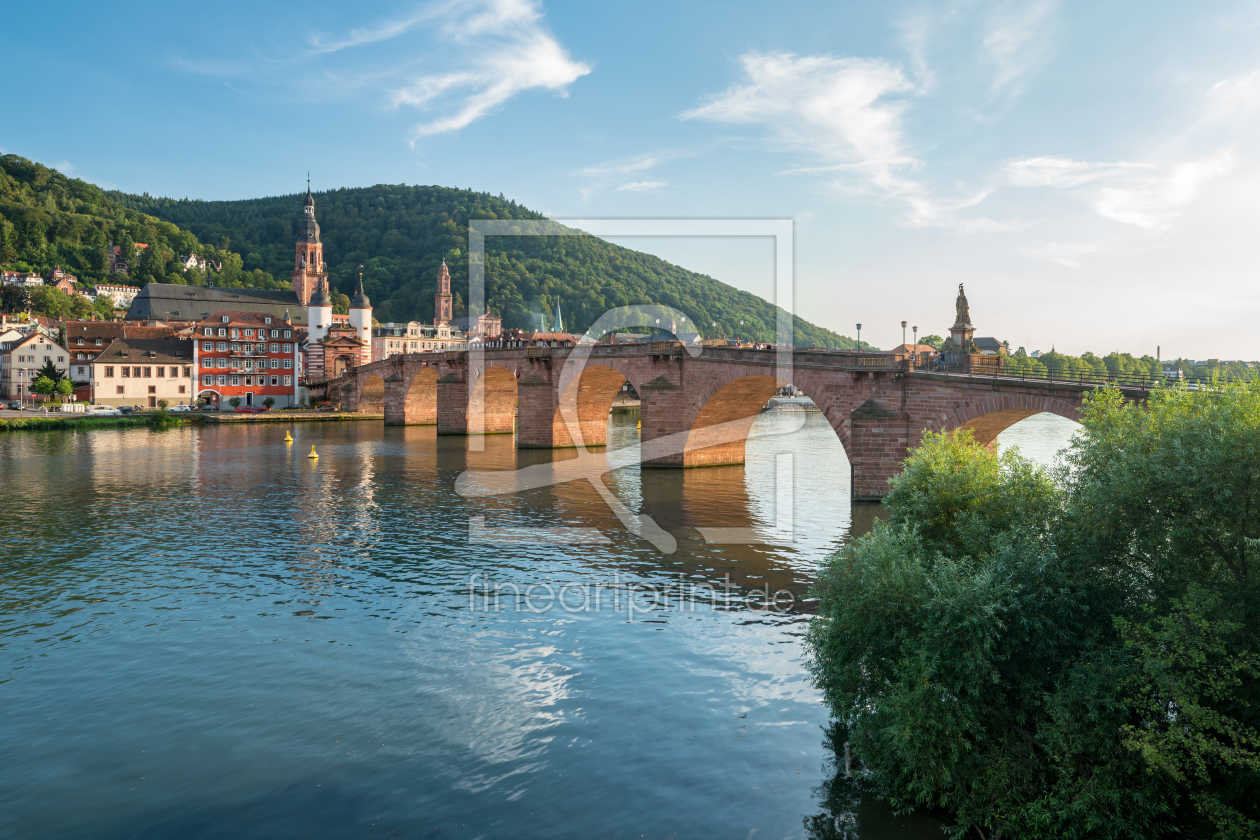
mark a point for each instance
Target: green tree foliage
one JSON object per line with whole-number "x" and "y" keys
{"x": 43, "y": 385}
{"x": 49, "y": 371}
{"x": 933, "y": 341}
{"x": 1076, "y": 658}
{"x": 400, "y": 235}
{"x": 47, "y": 219}
{"x": 65, "y": 387}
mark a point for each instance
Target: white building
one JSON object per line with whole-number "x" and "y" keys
{"x": 120, "y": 295}
{"x": 21, "y": 359}
{"x": 22, "y": 279}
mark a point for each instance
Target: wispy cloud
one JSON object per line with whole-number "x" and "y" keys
{"x": 844, "y": 115}
{"x": 1140, "y": 194}
{"x": 642, "y": 186}
{"x": 507, "y": 50}
{"x": 1016, "y": 39}
{"x": 640, "y": 163}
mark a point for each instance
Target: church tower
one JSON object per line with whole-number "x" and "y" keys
{"x": 442, "y": 300}
{"x": 308, "y": 260}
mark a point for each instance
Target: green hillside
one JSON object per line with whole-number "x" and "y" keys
{"x": 48, "y": 219}
{"x": 400, "y": 234}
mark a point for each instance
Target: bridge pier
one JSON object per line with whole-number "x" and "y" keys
{"x": 663, "y": 412}
{"x": 879, "y": 442}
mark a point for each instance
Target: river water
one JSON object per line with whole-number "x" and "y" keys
{"x": 207, "y": 634}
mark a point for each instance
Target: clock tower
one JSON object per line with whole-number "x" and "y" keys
{"x": 308, "y": 260}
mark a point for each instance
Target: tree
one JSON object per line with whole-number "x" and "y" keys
{"x": 1076, "y": 658}
{"x": 235, "y": 402}
{"x": 65, "y": 387}
{"x": 49, "y": 371}
{"x": 162, "y": 404}
{"x": 43, "y": 386}
{"x": 269, "y": 402}
{"x": 933, "y": 341}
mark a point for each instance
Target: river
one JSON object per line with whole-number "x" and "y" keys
{"x": 207, "y": 634}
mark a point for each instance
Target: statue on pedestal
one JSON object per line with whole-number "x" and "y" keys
{"x": 964, "y": 316}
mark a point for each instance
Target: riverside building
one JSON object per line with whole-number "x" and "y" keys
{"x": 251, "y": 355}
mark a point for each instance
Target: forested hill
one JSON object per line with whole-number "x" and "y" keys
{"x": 48, "y": 219}
{"x": 400, "y": 235}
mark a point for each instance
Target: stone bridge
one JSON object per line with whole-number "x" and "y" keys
{"x": 697, "y": 409}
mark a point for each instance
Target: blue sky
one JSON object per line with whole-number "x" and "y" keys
{"x": 1089, "y": 170}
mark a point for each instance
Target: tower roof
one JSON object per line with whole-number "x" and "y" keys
{"x": 360, "y": 299}
{"x": 308, "y": 230}
{"x": 321, "y": 296}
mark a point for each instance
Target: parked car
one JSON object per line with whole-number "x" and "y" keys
{"x": 125, "y": 409}
{"x": 181, "y": 408}
{"x": 101, "y": 411}
{"x": 327, "y": 407}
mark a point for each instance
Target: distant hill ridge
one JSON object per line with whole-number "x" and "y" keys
{"x": 399, "y": 234}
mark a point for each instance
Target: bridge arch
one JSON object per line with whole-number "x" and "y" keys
{"x": 591, "y": 395}
{"x": 420, "y": 398}
{"x": 497, "y": 398}
{"x": 989, "y": 417}
{"x": 371, "y": 396}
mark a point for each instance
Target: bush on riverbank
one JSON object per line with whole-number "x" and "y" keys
{"x": 87, "y": 423}
{"x": 1074, "y": 655}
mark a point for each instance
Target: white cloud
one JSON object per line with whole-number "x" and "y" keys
{"x": 844, "y": 114}
{"x": 65, "y": 167}
{"x": 1016, "y": 40}
{"x": 1138, "y": 194}
{"x": 1065, "y": 254}
{"x": 495, "y": 49}
{"x": 640, "y": 163}
{"x": 642, "y": 186}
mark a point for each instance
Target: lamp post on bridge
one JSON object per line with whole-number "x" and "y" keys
{"x": 859, "y": 338}
{"x": 903, "y": 333}
{"x": 914, "y": 357}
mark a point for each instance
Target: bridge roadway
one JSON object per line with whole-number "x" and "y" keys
{"x": 697, "y": 409}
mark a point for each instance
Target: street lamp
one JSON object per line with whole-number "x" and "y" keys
{"x": 914, "y": 359}
{"x": 859, "y": 338}
{"x": 903, "y": 333}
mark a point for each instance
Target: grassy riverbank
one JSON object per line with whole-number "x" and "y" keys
{"x": 87, "y": 423}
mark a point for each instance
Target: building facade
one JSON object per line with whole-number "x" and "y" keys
{"x": 21, "y": 359}
{"x": 250, "y": 355}
{"x": 415, "y": 337}
{"x": 140, "y": 372}
{"x": 122, "y": 296}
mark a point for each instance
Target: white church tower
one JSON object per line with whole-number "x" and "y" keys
{"x": 361, "y": 319}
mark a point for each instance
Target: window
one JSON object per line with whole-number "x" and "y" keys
{"x": 222, "y": 380}
{"x": 209, "y": 331}
{"x": 126, "y": 371}
{"x": 222, "y": 347}
{"x": 236, "y": 380}
{"x": 235, "y": 333}
{"x": 236, "y": 348}
{"x": 208, "y": 346}
{"x": 60, "y": 359}
{"x": 98, "y": 342}
{"x": 288, "y": 380}
{"x": 207, "y": 380}
{"x": 120, "y": 389}
{"x": 152, "y": 389}
{"x": 288, "y": 348}
{"x": 266, "y": 320}
{"x": 274, "y": 333}
{"x": 222, "y": 332}
{"x": 249, "y": 380}
{"x": 182, "y": 389}
{"x": 275, "y": 363}
{"x": 161, "y": 373}
{"x": 79, "y": 342}
{"x": 148, "y": 373}
{"x": 223, "y": 362}
{"x": 249, "y": 333}
{"x": 187, "y": 371}
{"x": 225, "y": 320}
{"x": 288, "y": 364}
{"x": 275, "y": 348}
{"x": 82, "y": 371}
{"x": 135, "y": 373}
{"x": 207, "y": 363}
{"x": 109, "y": 371}
{"x": 288, "y": 333}
{"x": 235, "y": 363}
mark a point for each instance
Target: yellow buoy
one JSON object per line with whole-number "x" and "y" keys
{"x": 639, "y": 425}
{"x": 288, "y": 438}
{"x": 312, "y": 455}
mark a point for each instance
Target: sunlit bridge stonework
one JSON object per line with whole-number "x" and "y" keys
{"x": 878, "y": 405}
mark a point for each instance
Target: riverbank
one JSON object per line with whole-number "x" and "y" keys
{"x": 80, "y": 423}
{"x": 288, "y": 417}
